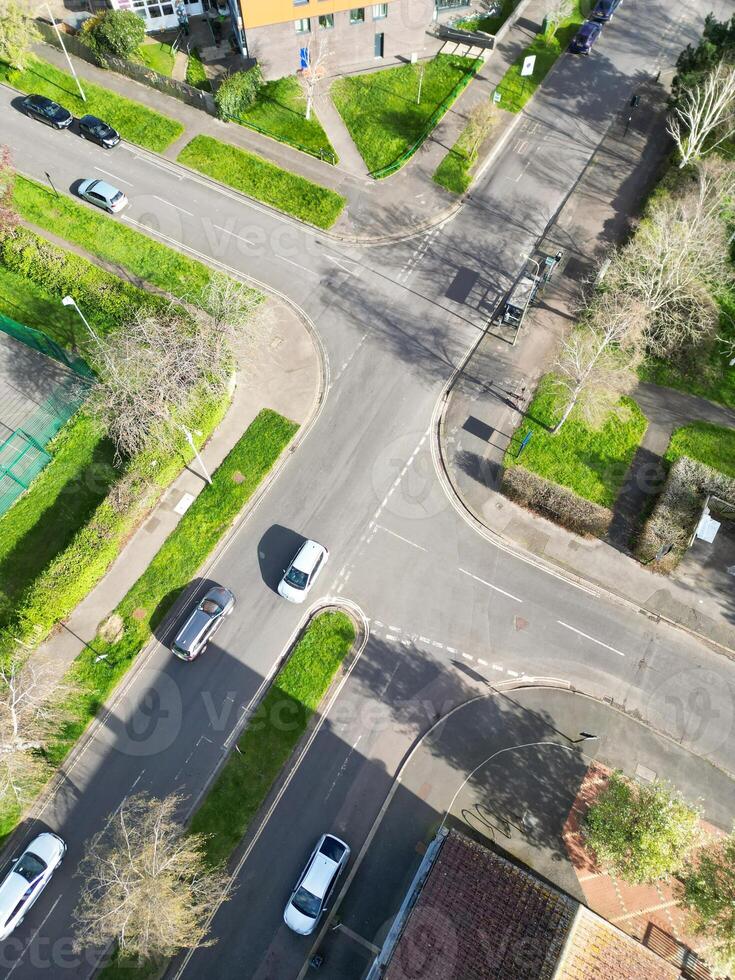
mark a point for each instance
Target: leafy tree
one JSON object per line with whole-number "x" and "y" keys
{"x": 641, "y": 832}
{"x": 17, "y": 33}
{"x": 708, "y": 893}
{"x": 146, "y": 882}
{"x": 717, "y": 44}
{"x": 9, "y": 218}
{"x": 238, "y": 92}
{"x": 116, "y": 32}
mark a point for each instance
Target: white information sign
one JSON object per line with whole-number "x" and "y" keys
{"x": 528, "y": 65}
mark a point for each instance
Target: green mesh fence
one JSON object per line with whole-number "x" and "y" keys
{"x": 45, "y": 345}
{"x": 22, "y": 450}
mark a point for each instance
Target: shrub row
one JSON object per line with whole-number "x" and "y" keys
{"x": 61, "y": 273}
{"x": 677, "y": 511}
{"x": 556, "y": 502}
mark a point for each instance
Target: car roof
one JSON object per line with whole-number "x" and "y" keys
{"x": 103, "y": 188}
{"x": 41, "y": 100}
{"x": 307, "y": 556}
{"x": 320, "y": 874}
{"x": 219, "y": 593}
{"x": 89, "y": 118}
{"x": 192, "y": 628}
{"x": 12, "y": 890}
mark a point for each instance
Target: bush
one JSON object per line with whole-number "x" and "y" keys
{"x": 238, "y": 92}
{"x": 61, "y": 273}
{"x": 640, "y": 833}
{"x": 675, "y": 515}
{"x": 556, "y": 502}
{"x": 117, "y": 32}
{"x": 195, "y": 72}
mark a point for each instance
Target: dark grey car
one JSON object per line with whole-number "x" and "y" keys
{"x": 92, "y": 128}
{"x": 203, "y": 622}
{"x": 47, "y": 111}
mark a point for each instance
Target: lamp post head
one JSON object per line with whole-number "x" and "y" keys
{"x": 68, "y": 301}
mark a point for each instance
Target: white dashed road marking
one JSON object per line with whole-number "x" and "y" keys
{"x": 588, "y": 637}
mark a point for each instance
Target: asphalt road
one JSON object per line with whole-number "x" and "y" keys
{"x": 446, "y": 608}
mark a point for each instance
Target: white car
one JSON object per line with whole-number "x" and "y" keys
{"x": 28, "y": 876}
{"x": 313, "y": 889}
{"x": 102, "y": 194}
{"x": 301, "y": 574}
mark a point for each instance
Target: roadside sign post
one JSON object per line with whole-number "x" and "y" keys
{"x": 48, "y": 178}
{"x": 525, "y": 441}
{"x": 529, "y": 63}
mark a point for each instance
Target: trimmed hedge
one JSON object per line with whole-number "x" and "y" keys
{"x": 113, "y": 300}
{"x": 556, "y": 502}
{"x": 679, "y": 506}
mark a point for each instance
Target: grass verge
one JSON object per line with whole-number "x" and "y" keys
{"x": 380, "y": 108}
{"x": 267, "y": 742}
{"x": 515, "y": 91}
{"x": 157, "y": 56}
{"x": 133, "y": 121}
{"x": 711, "y": 444}
{"x": 590, "y": 461}
{"x": 263, "y": 180}
{"x": 111, "y": 241}
{"x": 196, "y": 74}
{"x": 280, "y": 112}
{"x": 188, "y": 545}
{"x": 453, "y": 172}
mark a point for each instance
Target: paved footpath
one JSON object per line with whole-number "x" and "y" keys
{"x": 486, "y": 402}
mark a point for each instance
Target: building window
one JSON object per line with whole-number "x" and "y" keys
{"x": 326, "y": 21}
{"x": 449, "y": 4}
{"x": 302, "y": 25}
{"x": 299, "y": 3}
{"x": 380, "y": 10}
{"x": 357, "y": 15}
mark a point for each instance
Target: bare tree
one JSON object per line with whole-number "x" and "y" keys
{"x": 678, "y": 254}
{"x": 557, "y": 11}
{"x": 479, "y": 125}
{"x": 9, "y": 218}
{"x": 146, "y": 882}
{"x": 317, "y": 58}
{"x": 597, "y": 359}
{"x": 31, "y": 707}
{"x": 152, "y": 368}
{"x": 704, "y": 110}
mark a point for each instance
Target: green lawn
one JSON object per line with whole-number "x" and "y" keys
{"x": 514, "y": 90}
{"x": 491, "y": 25}
{"x": 591, "y": 462}
{"x": 134, "y": 122}
{"x": 158, "y": 56}
{"x": 188, "y": 545}
{"x": 454, "y": 170}
{"x": 267, "y": 742}
{"x": 263, "y": 180}
{"x": 61, "y": 499}
{"x": 195, "y": 73}
{"x": 280, "y": 111}
{"x": 111, "y": 240}
{"x": 380, "y": 109}
{"x": 705, "y": 370}
{"x": 711, "y": 444}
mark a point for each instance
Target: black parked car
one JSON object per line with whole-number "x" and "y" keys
{"x": 46, "y": 111}
{"x": 604, "y": 9}
{"x": 585, "y": 37}
{"x": 92, "y": 128}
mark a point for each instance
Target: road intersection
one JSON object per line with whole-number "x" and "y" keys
{"x": 448, "y": 612}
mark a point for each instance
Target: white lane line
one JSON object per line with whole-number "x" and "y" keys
{"x": 120, "y": 180}
{"x": 424, "y": 639}
{"x": 588, "y": 637}
{"x": 467, "y": 656}
{"x": 491, "y": 586}
{"x": 239, "y": 237}
{"x": 451, "y": 650}
{"x": 395, "y": 629}
{"x": 400, "y": 537}
{"x": 513, "y": 673}
{"x": 282, "y": 258}
{"x": 481, "y": 661}
{"x": 337, "y": 261}
{"x": 164, "y": 201}
{"x": 391, "y": 636}
{"x": 33, "y": 938}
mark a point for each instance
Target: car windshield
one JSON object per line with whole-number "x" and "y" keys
{"x": 332, "y": 849}
{"x": 30, "y": 866}
{"x": 296, "y": 578}
{"x": 210, "y": 607}
{"x": 99, "y": 128}
{"x": 306, "y": 903}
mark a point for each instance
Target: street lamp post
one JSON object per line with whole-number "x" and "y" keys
{"x": 66, "y": 53}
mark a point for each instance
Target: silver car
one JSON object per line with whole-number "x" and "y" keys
{"x": 314, "y": 888}
{"x": 28, "y": 876}
{"x": 203, "y": 622}
{"x": 102, "y": 194}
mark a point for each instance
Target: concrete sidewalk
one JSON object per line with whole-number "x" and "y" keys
{"x": 486, "y": 403}
{"x": 283, "y": 373}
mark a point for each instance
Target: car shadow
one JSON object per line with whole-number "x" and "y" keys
{"x": 275, "y": 550}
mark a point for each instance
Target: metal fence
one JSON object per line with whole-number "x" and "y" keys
{"x": 45, "y": 345}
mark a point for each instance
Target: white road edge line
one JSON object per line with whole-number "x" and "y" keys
{"x": 31, "y": 940}
{"x": 588, "y": 637}
{"x": 491, "y": 586}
